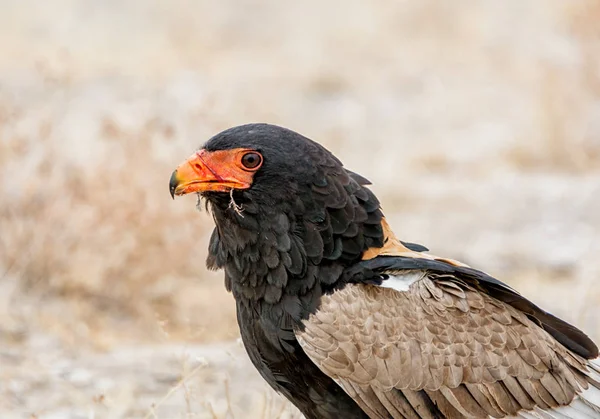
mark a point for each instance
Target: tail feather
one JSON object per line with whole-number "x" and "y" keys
{"x": 586, "y": 405}
{"x": 591, "y": 399}
{"x": 591, "y": 396}
{"x": 594, "y": 371}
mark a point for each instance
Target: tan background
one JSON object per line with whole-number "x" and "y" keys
{"x": 477, "y": 121}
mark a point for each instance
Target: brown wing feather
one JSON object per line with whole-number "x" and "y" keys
{"x": 442, "y": 340}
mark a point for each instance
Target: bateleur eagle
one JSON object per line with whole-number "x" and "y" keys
{"x": 347, "y": 321}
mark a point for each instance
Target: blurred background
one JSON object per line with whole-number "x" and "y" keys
{"x": 477, "y": 121}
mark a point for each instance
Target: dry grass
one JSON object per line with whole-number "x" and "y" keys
{"x": 104, "y": 237}
{"x": 566, "y": 138}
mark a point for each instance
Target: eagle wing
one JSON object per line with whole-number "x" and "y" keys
{"x": 433, "y": 343}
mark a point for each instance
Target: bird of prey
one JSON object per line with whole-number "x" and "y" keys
{"x": 347, "y": 321}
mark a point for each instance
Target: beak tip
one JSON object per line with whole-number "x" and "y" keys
{"x": 173, "y": 183}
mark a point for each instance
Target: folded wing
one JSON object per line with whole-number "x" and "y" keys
{"x": 424, "y": 343}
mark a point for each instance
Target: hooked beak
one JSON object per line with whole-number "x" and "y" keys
{"x": 206, "y": 171}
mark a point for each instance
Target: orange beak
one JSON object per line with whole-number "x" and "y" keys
{"x": 219, "y": 171}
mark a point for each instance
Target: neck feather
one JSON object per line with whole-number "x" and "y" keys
{"x": 286, "y": 256}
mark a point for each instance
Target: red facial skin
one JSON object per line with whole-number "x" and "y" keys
{"x": 219, "y": 171}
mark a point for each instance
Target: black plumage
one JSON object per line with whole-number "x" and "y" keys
{"x": 278, "y": 261}
{"x": 306, "y": 228}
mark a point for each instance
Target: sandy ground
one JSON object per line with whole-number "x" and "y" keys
{"x": 141, "y": 381}
{"x": 478, "y": 123}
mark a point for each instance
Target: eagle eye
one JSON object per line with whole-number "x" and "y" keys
{"x": 252, "y": 160}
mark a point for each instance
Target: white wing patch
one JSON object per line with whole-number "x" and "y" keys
{"x": 402, "y": 282}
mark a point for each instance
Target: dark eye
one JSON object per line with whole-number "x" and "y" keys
{"x": 251, "y": 160}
